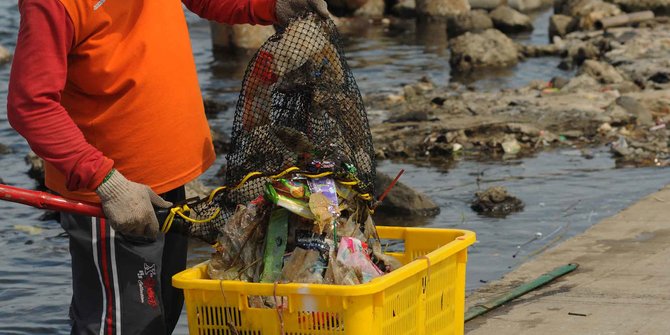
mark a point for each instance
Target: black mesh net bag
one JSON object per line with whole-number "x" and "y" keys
{"x": 299, "y": 112}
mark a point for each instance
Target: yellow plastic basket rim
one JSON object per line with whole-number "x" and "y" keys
{"x": 191, "y": 278}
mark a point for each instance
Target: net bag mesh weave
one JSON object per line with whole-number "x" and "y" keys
{"x": 299, "y": 107}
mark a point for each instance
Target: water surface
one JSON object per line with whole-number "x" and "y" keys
{"x": 564, "y": 193}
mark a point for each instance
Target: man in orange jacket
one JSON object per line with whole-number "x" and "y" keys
{"x": 106, "y": 92}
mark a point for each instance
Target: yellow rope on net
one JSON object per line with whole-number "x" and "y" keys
{"x": 180, "y": 210}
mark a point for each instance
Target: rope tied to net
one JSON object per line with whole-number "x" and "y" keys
{"x": 255, "y": 174}
{"x": 179, "y": 211}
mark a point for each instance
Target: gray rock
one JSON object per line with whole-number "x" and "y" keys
{"x": 409, "y": 93}
{"x": 642, "y": 55}
{"x": 625, "y": 87}
{"x": 559, "y": 82}
{"x": 541, "y": 50}
{"x": 372, "y": 9}
{"x": 528, "y": 5}
{"x": 561, "y": 25}
{"x": 577, "y": 51}
{"x": 657, "y": 101}
{"x": 346, "y": 6}
{"x": 618, "y": 115}
{"x": 5, "y": 55}
{"x": 404, "y": 8}
{"x": 399, "y": 148}
{"x": 603, "y": 72}
{"x": 563, "y": 6}
{"x": 590, "y": 11}
{"x": 632, "y": 106}
{"x": 660, "y": 7}
{"x": 411, "y": 116}
{"x": 36, "y": 169}
{"x": 490, "y": 48}
{"x": 580, "y": 83}
{"x": 508, "y": 20}
{"x": 580, "y": 8}
{"x": 486, "y": 4}
{"x": 496, "y": 202}
{"x": 239, "y": 36}
{"x": 440, "y": 9}
{"x": 421, "y": 87}
{"x": 4, "y": 149}
{"x": 471, "y": 21}
{"x": 525, "y": 129}
{"x": 403, "y": 200}
{"x": 573, "y": 134}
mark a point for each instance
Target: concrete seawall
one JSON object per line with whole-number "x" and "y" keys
{"x": 622, "y": 285}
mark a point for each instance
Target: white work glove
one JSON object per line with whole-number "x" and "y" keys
{"x": 129, "y": 206}
{"x": 285, "y": 10}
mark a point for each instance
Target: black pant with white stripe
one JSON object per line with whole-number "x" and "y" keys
{"x": 121, "y": 284}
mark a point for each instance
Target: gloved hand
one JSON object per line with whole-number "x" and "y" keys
{"x": 285, "y": 10}
{"x": 128, "y": 205}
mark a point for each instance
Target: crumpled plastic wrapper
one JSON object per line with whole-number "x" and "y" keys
{"x": 304, "y": 266}
{"x": 240, "y": 246}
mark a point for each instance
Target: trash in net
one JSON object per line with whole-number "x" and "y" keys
{"x": 298, "y": 185}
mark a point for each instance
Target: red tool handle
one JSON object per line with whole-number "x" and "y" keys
{"x": 45, "y": 200}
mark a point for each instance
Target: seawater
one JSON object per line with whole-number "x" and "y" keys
{"x": 564, "y": 193}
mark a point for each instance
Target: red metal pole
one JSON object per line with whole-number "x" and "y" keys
{"x": 45, "y": 200}
{"x": 388, "y": 189}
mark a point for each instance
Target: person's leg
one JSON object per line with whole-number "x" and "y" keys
{"x": 120, "y": 285}
{"x": 113, "y": 280}
{"x": 174, "y": 260}
{"x": 87, "y": 309}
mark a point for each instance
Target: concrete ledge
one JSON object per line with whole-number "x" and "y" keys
{"x": 621, "y": 287}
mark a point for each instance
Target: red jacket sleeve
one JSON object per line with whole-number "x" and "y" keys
{"x": 38, "y": 76}
{"x": 234, "y": 11}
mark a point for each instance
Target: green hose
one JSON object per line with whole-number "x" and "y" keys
{"x": 518, "y": 291}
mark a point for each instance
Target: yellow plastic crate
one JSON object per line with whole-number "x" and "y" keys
{"x": 425, "y": 296}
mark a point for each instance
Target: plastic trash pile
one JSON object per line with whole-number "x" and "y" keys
{"x": 302, "y": 230}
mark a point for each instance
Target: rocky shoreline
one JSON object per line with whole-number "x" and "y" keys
{"x": 620, "y": 96}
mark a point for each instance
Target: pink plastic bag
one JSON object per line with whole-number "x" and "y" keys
{"x": 352, "y": 253}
